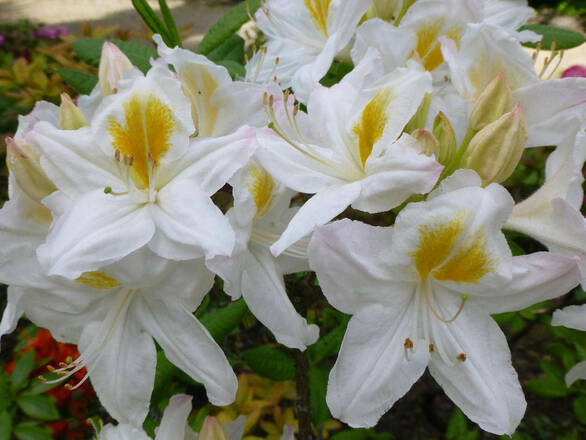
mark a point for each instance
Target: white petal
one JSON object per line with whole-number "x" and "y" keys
{"x": 98, "y": 230}
{"x": 174, "y": 420}
{"x": 318, "y": 210}
{"x": 73, "y": 161}
{"x": 235, "y": 428}
{"x": 536, "y": 277}
{"x": 13, "y": 310}
{"x": 573, "y": 317}
{"x": 122, "y": 432}
{"x": 264, "y": 292}
{"x": 189, "y": 225}
{"x": 485, "y": 386}
{"x": 372, "y": 370}
{"x": 124, "y": 374}
{"x": 188, "y": 345}
{"x": 211, "y": 162}
{"x": 577, "y": 372}
{"x": 350, "y": 260}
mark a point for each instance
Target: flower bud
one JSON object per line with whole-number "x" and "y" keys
{"x": 446, "y": 138}
{"x": 113, "y": 65}
{"x": 212, "y": 430}
{"x": 494, "y": 151}
{"x": 25, "y": 167}
{"x": 426, "y": 142}
{"x": 420, "y": 116}
{"x": 70, "y": 116}
{"x": 494, "y": 101}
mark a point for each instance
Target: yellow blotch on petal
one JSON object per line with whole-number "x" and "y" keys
{"x": 470, "y": 263}
{"x": 428, "y": 46}
{"x": 98, "y": 280}
{"x": 372, "y": 123}
{"x": 319, "y": 12}
{"x": 261, "y": 186}
{"x": 436, "y": 242}
{"x": 145, "y": 135}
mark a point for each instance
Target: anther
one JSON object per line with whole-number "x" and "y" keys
{"x": 271, "y": 100}
{"x": 246, "y": 55}
{"x": 431, "y": 348}
{"x": 63, "y": 365}
{"x": 461, "y": 357}
{"x": 51, "y": 368}
{"x": 42, "y": 379}
{"x": 114, "y": 90}
{"x": 108, "y": 190}
{"x": 408, "y": 343}
{"x": 295, "y": 109}
{"x": 68, "y": 387}
{"x": 276, "y": 61}
{"x": 117, "y": 155}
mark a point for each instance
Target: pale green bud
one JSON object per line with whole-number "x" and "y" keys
{"x": 70, "y": 115}
{"x": 25, "y": 167}
{"x": 113, "y": 65}
{"x": 446, "y": 138}
{"x": 426, "y": 142}
{"x": 420, "y": 116}
{"x": 495, "y": 151}
{"x": 212, "y": 430}
{"x": 494, "y": 101}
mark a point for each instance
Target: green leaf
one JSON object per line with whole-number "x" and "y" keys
{"x": 234, "y": 69}
{"x": 29, "y": 431}
{"x": 270, "y": 362}
{"x": 5, "y": 394}
{"x": 37, "y": 387}
{"x": 318, "y": 383}
{"x": 548, "y": 387}
{"x": 564, "y": 38}
{"x": 221, "y": 322}
{"x": 458, "y": 427}
{"x": 23, "y": 367}
{"x": 5, "y": 425}
{"x": 231, "y": 49}
{"x": 89, "y": 50}
{"x": 82, "y": 83}
{"x": 170, "y": 23}
{"x": 327, "y": 345}
{"x": 361, "y": 434}
{"x": 580, "y": 409}
{"x": 151, "y": 19}
{"x": 226, "y": 26}
{"x": 38, "y": 407}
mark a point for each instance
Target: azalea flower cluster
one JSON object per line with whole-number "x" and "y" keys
{"x": 111, "y": 240}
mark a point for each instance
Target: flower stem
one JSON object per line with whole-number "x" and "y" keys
{"x": 302, "y": 401}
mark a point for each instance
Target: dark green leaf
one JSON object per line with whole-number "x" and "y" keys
{"x": 29, "y": 431}
{"x": 5, "y": 394}
{"x": 327, "y": 345}
{"x": 37, "y": 387}
{"x": 82, "y": 83}
{"x": 221, "y": 322}
{"x": 564, "y": 38}
{"x": 151, "y": 19}
{"x": 38, "y": 407}
{"x": 361, "y": 434}
{"x": 457, "y": 428}
{"x": 580, "y": 409}
{"x": 234, "y": 69}
{"x": 89, "y": 50}
{"x": 226, "y": 26}
{"x": 170, "y": 23}
{"x": 549, "y": 387}
{"x": 318, "y": 383}
{"x": 270, "y": 362}
{"x": 231, "y": 49}
{"x": 23, "y": 367}
{"x": 196, "y": 421}
{"x": 5, "y": 425}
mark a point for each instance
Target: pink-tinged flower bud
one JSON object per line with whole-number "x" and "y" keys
{"x": 426, "y": 142}
{"x": 212, "y": 430}
{"x": 494, "y": 151}
{"x": 494, "y": 101}
{"x": 113, "y": 65}
{"x": 70, "y": 115}
{"x": 25, "y": 167}
{"x": 446, "y": 137}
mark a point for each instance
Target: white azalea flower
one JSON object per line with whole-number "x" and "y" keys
{"x": 260, "y": 214}
{"x": 421, "y": 294}
{"x": 137, "y": 179}
{"x": 115, "y": 314}
{"x": 347, "y": 149}
{"x": 303, "y": 36}
{"x": 573, "y": 317}
{"x": 552, "y": 214}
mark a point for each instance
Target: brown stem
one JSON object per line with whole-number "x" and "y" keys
{"x": 302, "y": 401}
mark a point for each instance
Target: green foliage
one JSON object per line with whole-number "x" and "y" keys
{"x": 89, "y": 50}
{"x": 564, "y": 38}
{"x": 270, "y": 362}
{"x": 457, "y": 428}
{"x": 38, "y": 407}
{"x": 23, "y": 367}
{"x": 232, "y": 49}
{"x": 221, "y": 322}
{"x": 361, "y": 434}
{"x": 318, "y": 383}
{"x": 5, "y": 425}
{"x": 31, "y": 431}
{"x": 167, "y": 30}
{"x": 329, "y": 344}
{"x": 225, "y": 27}
{"x": 81, "y": 82}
